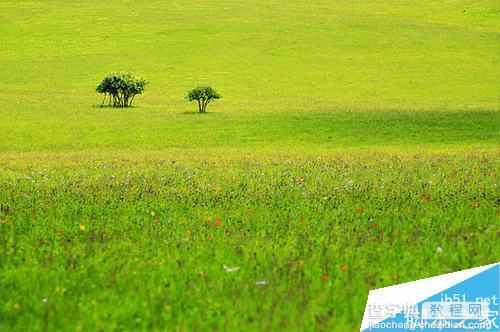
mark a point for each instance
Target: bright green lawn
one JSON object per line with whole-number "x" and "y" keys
{"x": 263, "y": 56}
{"x": 358, "y": 134}
{"x": 328, "y": 74}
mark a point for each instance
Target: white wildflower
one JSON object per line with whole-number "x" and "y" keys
{"x": 230, "y": 269}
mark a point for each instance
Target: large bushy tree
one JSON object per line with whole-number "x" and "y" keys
{"x": 203, "y": 94}
{"x": 121, "y": 89}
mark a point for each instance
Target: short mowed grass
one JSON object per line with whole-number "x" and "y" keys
{"x": 355, "y": 147}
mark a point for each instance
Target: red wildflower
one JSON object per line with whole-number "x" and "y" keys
{"x": 325, "y": 278}
{"x": 343, "y": 267}
{"x": 157, "y": 221}
{"x": 373, "y": 225}
{"x": 58, "y": 233}
{"x": 250, "y": 213}
{"x": 217, "y": 223}
{"x": 358, "y": 210}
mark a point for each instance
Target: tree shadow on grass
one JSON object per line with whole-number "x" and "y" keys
{"x": 115, "y": 107}
{"x": 198, "y": 113}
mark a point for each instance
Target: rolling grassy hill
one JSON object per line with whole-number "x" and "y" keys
{"x": 326, "y": 73}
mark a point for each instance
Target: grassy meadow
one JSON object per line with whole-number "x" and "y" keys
{"x": 355, "y": 146}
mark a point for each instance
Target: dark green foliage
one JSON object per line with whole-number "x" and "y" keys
{"x": 203, "y": 94}
{"x": 121, "y": 89}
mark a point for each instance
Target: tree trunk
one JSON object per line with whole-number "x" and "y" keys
{"x": 103, "y": 100}
{"x": 205, "y": 105}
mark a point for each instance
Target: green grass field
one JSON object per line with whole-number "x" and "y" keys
{"x": 355, "y": 147}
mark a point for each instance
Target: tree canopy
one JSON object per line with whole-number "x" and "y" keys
{"x": 203, "y": 94}
{"x": 121, "y": 89}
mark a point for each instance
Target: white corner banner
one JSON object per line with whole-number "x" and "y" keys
{"x": 461, "y": 301}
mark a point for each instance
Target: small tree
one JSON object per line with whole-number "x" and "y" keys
{"x": 121, "y": 89}
{"x": 203, "y": 94}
